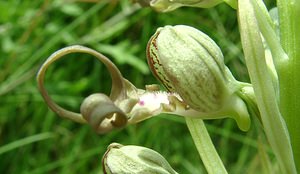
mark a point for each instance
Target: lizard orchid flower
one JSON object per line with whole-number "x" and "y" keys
{"x": 191, "y": 67}
{"x": 126, "y": 104}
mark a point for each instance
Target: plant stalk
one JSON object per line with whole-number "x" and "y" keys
{"x": 205, "y": 147}
{"x": 273, "y": 123}
{"x": 289, "y": 75}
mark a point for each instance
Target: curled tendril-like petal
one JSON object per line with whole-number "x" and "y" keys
{"x": 104, "y": 115}
{"x": 101, "y": 113}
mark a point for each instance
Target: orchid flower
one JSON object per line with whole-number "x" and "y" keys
{"x": 191, "y": 67}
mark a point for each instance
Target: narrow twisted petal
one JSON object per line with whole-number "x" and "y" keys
{"x": 98, "y": 110}
{"x": 102, "y": 114}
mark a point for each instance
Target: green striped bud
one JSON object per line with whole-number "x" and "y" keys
{"x": 134, "y": 160}
{"x": 187, "y": 61}
{"x": 191, "y": 64}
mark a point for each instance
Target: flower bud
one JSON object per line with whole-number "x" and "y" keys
{"x": 170, "y": 5}
{"x": 134, "y": 160}
{"x": 191, "y": 64}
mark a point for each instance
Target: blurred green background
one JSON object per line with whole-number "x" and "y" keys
{"x": 34, "y": 140}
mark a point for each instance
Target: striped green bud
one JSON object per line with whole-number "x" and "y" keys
{"x": 191, "y": 64}
{"x": 187, "y": 61}
{"x": 134, "y": 160}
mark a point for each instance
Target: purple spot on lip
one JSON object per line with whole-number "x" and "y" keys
{"x": 141, "y": 103}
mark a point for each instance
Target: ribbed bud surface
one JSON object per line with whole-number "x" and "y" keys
{"x": 187, "y": 61}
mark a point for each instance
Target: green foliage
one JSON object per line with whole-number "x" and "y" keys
{"x": 35, "y": 140}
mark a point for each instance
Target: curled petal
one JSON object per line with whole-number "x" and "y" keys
{"x": 40, "y": 81}
{"x": 118, "y": 92}
{"x": 102, "y": 114}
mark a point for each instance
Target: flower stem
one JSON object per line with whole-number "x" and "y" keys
{"x": 273, "y": 123}
{"x": 289, "y": 14}
{"x": 205, "y": 147}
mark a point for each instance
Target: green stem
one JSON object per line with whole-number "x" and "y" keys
{"x": 273, "y": 123}
{"x": 289, "y": 75}
{"x": 205, "y": 147}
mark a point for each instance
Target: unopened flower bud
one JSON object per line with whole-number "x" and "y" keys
{"x": 191, "y": 64}
{"x": 134, "y": 160}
